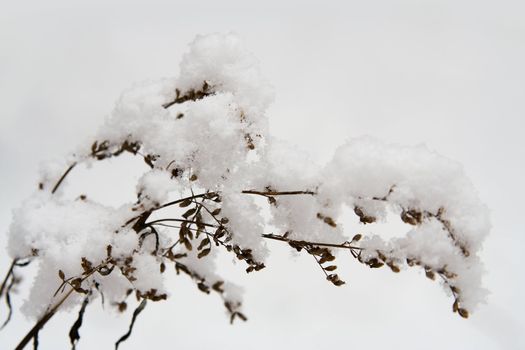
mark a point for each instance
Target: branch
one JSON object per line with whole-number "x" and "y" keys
{"x": 178, "y": 201}
{"x": 345, "y": 245}
{"x": 277, "y": 193}
{"x": 190, "y": 95}
{"x": 42, "y": 322}
{"x": 33, "y": 332}
{"x": 156, "y": 222}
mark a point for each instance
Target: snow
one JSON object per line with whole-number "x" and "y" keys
{"x": 206, "y": 130}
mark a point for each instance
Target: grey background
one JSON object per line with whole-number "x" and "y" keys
{"x": 445, "y": 73}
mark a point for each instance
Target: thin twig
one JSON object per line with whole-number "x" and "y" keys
{"x": 9, "y": 272}
{"x": 156, "y": 222}
{"x": 63, "y": 177}
{"x": 178, "y": 201}
{"x": 74, "y": 335}
{"x": 344, "y": 245}
{"x": 33, "y": 332}
{"x": 137, "y": 311}
{"x": 277, "y": 193}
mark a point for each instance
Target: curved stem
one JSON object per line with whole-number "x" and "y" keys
{"x": 9, "y": 272}
{"x": 63, "y": 177}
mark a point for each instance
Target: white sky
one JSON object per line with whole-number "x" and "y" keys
{"x": 446, "y": 73}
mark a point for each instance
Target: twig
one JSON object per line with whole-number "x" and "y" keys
{"x": 277, "y": 193}
{"x": 74, "y": 335}
{"x": 178, "y": 201}
{"x": 156, "y": 222}
{"x": 9, "y": 272}
{"x": 344, "y": 245}
{"x": 33, "y": 332}
{"x": 63, "y": 177}
{"x": 137, "y": 311}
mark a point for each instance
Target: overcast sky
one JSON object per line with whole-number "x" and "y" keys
{"x": 449, "y": 74}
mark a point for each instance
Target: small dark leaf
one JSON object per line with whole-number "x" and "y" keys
{"x": 217, "y": 286}
{"x": 326, "y": 258}
{"x": 188, "y": 213}
{"x": 203, "y": 253}
{"x": 334, "y": 278}
{"x": 241, "y": 316}
{"x": 463, "y": 312}
{"x": 317, "y": 251}
{"x": 375, "y": 263}
{"x": 330, "y": 268}
{"x": 185, "y": 203}
{"x": 187, "y": 244}
{"x": 183, "y": 232}
{"x": 104, "y": 270}
{"x": 122, "y": 306}
{"x": 203, "y": 243}
{"x": 203, "y": 288}
{"x": 393, "y": 267}
{"x": 219, "y": 233}
{"x": 87, "y": 266}
{"x": 411, "y": 262}
{"x": 61, "y": 274}
{"x": 412, "y": 217}
{"x": 176, "y": 172}
{"x": 149, "y": 159}
{"x": 328, "y": 220}
{"x": 363, "y": 218}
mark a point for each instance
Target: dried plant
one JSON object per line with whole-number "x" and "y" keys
{"x": 208, "y": 155}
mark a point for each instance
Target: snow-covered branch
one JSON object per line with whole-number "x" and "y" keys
{"x": 206, "y": 132}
